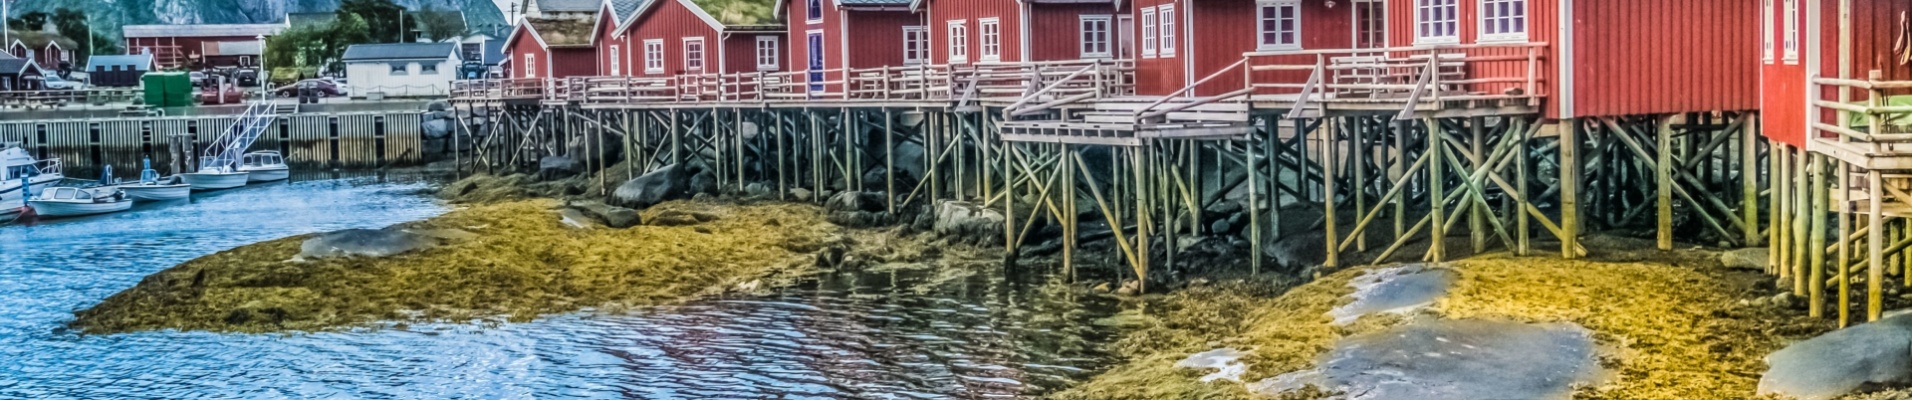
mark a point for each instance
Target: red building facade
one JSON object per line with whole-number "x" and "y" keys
{"x": 859, "y": 34}
{"x": 1801, "y": 39}
{"x": 181, "y": 46}
{"x": 684, "y": 37}
{"x": 551, "y": 48}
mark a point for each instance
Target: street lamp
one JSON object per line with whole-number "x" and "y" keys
{"x": 265, "y": 75}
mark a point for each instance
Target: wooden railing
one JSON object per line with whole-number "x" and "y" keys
{"x": 1876, "y": 121}
{"x": 1008, "y": 82}
{"x": 1410, "y": 76}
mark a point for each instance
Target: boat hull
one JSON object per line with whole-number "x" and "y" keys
{"x": 75, "y": 209}
{"x": 268, "y": 175}
{"x": 158, "y": 192}
{"x": 10, "y": 192}
{"x": 215, "y": 180}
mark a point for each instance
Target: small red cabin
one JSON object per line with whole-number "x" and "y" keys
{"x": 1802, "y": 39}
{"x": 973, "y": 31}
{"x": 1620, "y": 57}
{"x": 551, "y": 48}
{"x": 1061, "y": 30}
{"x": 857, "y": 34}
{"x": 614, "y": 55}
{"x": 686, "y": 37}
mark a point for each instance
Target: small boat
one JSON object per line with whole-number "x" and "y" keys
{"x": 152, "y": 187}
{"x": 215, "y": 178}
{"x": 73, "y": 202}
{"x": 20, "y": 173}
{"x": 265, "y": 166}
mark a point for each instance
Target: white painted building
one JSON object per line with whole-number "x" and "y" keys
{"x": 402, "y": 69}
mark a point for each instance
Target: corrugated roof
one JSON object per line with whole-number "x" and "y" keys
{"x": 559, "y": 32}
{"x": 568, "y": 5}
{"x": 140, "y": 62}
{"x": 398, "y": 51}
{"x": 624, "y": 8}
{"x": 240, "y": 30}
{"x": 10, "y": 65}
{"x": 233, "y": 48}
{"x": 740, "y": 12}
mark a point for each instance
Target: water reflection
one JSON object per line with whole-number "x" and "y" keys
{"x": 924, "y": 333}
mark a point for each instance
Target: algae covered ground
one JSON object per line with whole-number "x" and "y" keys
{"x": 514, "y": 260}
{"x": 1675, "y": 326}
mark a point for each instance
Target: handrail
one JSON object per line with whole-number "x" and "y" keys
{"x": 1428, "y": 77}
{"x": 1397, "y": 49}
{"x": 1146, "y": 112}
{"x": 1307, "y": 89}
{"x": 1017, "y": 106}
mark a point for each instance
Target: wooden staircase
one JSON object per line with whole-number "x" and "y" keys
{"x": 1130, "y": 121}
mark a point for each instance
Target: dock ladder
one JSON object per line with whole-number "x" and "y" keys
{"x": 225, "y": 151}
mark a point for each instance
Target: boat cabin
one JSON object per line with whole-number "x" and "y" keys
{"x": 65, "y": 193}
{"x": 264, "y": 159}
{"x": 18, "y": 164}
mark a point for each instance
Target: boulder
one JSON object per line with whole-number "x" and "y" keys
{"x": 968, "y": 222}
{"x": 759, "y": 189}
{"x": 611, "y": 216}
{"x": 1748, "y": 259}
{"x": 669, "y": 183}
{"x": 703, "y": 182}
{"x": 558, "y": 167}
{"x": 855, "y": 201}
{"x": 680, "y": 218}
{"x": 363, "y": 243}
{"x": 1842, "y": 361}
{"x": 1296, "y": 251}
{"x": 800, "y": 194}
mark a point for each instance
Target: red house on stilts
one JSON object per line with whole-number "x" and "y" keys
{"x": 541, "y": 48}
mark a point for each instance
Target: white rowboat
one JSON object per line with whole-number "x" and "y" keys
{"x": 265, "y": 166}
{"x": 73, "y": 202}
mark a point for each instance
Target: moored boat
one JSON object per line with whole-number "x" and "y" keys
{"x": 215, "y": 178}
{"x": 20, "y": 173}
{"x": 152, "y": 187}
{"x": 73, "y": 202}
{"x": 265, "y": 166}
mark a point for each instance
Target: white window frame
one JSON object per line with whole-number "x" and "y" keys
{"x": 958, "y": 41}
{"x": 1261, "y": 26}
{"x": 989, "y": 31}
{"x": 617, "y": 68}
{"x": 1087, "y": 47}
{"x": 915, "y": 45}
{"x": 1427, "y": 30}
{"x": 814, "y": 12}
{"x": 400, "y": 70}
{"x": 1148, "y": 32}
{"x": 1766, "y": 30}
{"x": 694, "y": 62}
{"x": 1166, "y": 33}
{"x": 1792, "y": 32}
{"x": 767, "y": 46}
{"x": 653, "y": 56}
{"x": 1488, "y": 17}
{"x": 530, "y": 65}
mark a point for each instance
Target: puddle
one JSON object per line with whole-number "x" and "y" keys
{"x": 1452, "y": 359}
{"x": 1226, "y": 362}
{"x": 1399, "y": 290}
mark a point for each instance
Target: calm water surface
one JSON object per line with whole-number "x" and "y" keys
{"x": 920, "y": 334}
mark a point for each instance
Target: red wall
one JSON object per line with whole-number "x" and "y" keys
{"x": 798, "y": 18}
{"x": 523, "y": 43}
{"x": 1225, "y": 30}
{"x": 1656, "y": 56}
{"x": 670, "y": 21}
{"x": 1055, "y": 30}
{"x": 740, "y": 52}
{"x": 878, "y": 37}
{"x": 1543, "y": 26}
{"x": 172, "y": 52}
{"x": 1157, "y": 76}
{"x": 1782, "y": 89}
{"x": 573, "y": 61}
{"x": 606, "y": 32}
{"x": 943, "y": 11}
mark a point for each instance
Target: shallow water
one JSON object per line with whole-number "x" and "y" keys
{"x": 910, "y": 334}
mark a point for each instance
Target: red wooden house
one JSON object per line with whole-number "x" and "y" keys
{"x": 854, "y": 34}
{"x": 181, "y": 46}
{"x": 1060, "y": 30}
{"x": 47, "y": 50}
{"x": 1620, "y": 57}
{"x": 613, "y": 55}
{"x": 684, "y": 37}
{"x": 973, "y": 31}
{"x": 551, "y": 48}
{"x": 1802, "y": 39}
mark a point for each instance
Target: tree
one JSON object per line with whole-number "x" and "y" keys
{"x": 29, "y": 22}
{"x": 381, "y": 18}
{"x": 439, "y": 24}
{"x": 74, "y": 25}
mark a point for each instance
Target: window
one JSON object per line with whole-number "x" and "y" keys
{"x": 694, "y": 55}
{"x": 1148, "y": 32}
{"x": 615, "y": 67}
{"x": 1503, "y": 20}
{"x": 1766, "y": 29}
{"x": 814, "y": 10}
{"x": 958, "y": 41}
{"x": 654, "y": 56}
{"x": 1792, "y": 31}
{"x": 428, "y": 69}
{"x": 1279, "y": 25}
{"x": 399, "y": 69}
{"x": 530, "y": 65}
{"x": 991, "y": 30}
{"x": 915, "y": 45}
{"x": 1095, "y": 36}
{"x": 1434, "y": 22}
{"x": 1167, "y": 15}
{"x": 767, "y": 53}
{"x": 1370, "y": 19}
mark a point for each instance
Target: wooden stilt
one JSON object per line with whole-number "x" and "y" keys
{"x": 1569, "y": 188}
{"x": 1437, "y": 196}
{"x": 1815, "y": 215}
{"x": 1663, "y": 172}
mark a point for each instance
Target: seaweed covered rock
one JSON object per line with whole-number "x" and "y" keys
{"x": 558, "y": 167}
{"x": 1843, "y": 361}
{"x": 363, "y": 243}
{"x": 671, "y": 182}
{"x": 857, "y": 209}
{"x": 610, "y": 215}
{"x": 1297, "y": 251}
{"x": 967, "y": 222}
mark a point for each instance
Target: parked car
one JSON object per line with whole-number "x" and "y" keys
{"x": 198, "y": 78}
{"x": 54, "y": 82}
{"x": 324, "y": 88}
{"x": 213, "y": 95}
{"x": 246, "y": 77}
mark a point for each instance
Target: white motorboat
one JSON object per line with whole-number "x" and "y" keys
{"x": 265, "y": 166}
{"x": 19, "y": 170}
{"x": 215, "y": 178}
{"x": 152, "y": 187}
{"x": 73, "y": 202}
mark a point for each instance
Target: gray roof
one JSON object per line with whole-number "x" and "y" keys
{"x": 399, "y": 51}
{"x": 139, "y": 62}
{"x": 624, "y": 8}
{"x": 494, "y": 52}
{"x": 10, "y": 65}
{"x": 568, "y": 5}
{"x": 238, "y": 30}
